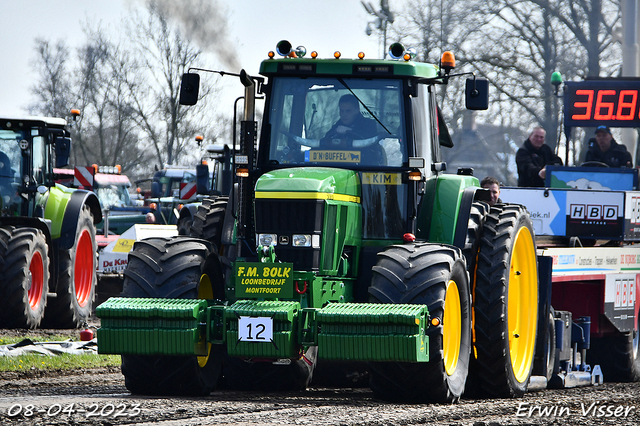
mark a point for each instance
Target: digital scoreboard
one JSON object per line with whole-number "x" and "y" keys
{"x": 592, "y": 103}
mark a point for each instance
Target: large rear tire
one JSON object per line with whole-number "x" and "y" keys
{"x": 209, "y": 219}
{"x": 436, "y": 276}
{"x": 172, "y": 269}
{"x": 505, "y": 304}
{"x": 24, "y": 267}
{"x": 76, "y": 279}
{"x": 479, "y": 210}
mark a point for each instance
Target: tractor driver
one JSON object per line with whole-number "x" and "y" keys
{"x": 607, "y": 150}
{"x": 7, "y": 192}
{"x": 352, "y": 124}
{"x": 355, "y": 132}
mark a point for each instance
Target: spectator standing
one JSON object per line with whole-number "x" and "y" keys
{"x": 532, "y": 159}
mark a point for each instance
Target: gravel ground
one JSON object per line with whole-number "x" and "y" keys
{"x": 99, "y": 397}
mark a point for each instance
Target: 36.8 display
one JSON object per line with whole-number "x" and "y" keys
{"x": 597, "y": 102}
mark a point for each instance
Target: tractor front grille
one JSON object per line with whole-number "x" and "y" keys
{"x": 289, "y": 217}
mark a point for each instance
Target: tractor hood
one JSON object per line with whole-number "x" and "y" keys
{"x": 310, "y": 183}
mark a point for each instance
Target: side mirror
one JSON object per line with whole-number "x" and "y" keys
{"x": 156, "y": 190}
{"x": 63, "y": 150}
{"x": 189, "y": 89}
{"x": 477, "y": 94}
{"x": 202, "y": 179}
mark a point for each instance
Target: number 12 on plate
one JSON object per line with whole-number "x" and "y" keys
{"x": 252, "y": 329}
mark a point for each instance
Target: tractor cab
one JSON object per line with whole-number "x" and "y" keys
{"x": 28, "y": 149}
{"x": 377, "y": 118}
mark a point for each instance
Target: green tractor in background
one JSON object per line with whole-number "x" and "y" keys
{"x": 336, "y": 248}
{"x": 47, "y": 231}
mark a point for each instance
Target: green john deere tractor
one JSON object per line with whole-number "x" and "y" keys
{"x": 342, "y": 244}
{"x": 47, "y": 231}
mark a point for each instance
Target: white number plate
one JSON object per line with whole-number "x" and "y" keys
{"x": 252, "y": 329}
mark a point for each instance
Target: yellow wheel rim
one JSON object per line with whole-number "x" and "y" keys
{"x": 451, "y": 328}
{"x": 205, "y": 291}
{"x": 522, "y": 304}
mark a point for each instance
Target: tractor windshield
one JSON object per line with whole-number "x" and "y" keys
{"x": 10, "y": 170}
{"x": 344, "y": 122}
{"x": 113, "y": 196}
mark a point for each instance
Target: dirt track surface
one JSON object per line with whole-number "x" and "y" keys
{"x": 99, "y": 397}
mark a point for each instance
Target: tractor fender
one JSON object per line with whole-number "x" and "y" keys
{"x": 443, "y": 213}
{"x": 31, "y": 222}
{"x": 78, "y": 199}
{"x": 467, "y": 199}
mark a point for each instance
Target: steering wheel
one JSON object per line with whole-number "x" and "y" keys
{"x": 594, "y": 164}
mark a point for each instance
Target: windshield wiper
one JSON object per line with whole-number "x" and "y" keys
{"x": 362, "y": 103}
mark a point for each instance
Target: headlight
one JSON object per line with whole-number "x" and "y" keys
{"x": 301, "y": 240}
{"x": 267, "y": 239}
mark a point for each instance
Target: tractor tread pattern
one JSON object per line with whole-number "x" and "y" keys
{"x": 418, "y": 274}
{"x": 209, "y": 219}
{"x": 492, "y": 368}
{"x": 168, "y": 268}
{"x": 17, "y": 247}
{"x": 64, "y": 310}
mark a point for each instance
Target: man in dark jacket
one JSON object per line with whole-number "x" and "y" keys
{"x": 533, "y": 157}
{"x": 352, "y": 123}
{"x": 607, "y": 150}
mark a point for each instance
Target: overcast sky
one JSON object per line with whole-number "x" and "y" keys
{"x": 254, "y": 28}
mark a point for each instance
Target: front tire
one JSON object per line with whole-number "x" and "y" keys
{"x": 436, "y": 276}
{"x": 24, "y": 267}
{"x": 171, "y": 269}
{"x": 76, "y": 279}
{"x": 505, "y": 304}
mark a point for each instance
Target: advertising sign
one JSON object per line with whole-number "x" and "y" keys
{"x": 585, "y": 214}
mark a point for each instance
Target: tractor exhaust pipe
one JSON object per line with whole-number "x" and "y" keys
{"x": 248, "y": 133}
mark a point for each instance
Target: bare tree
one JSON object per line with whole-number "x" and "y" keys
{"x": 528, "y": 40}
{"x": 52, "y": 91}
{"x": 105, "y": 133}
{"x": 127, "y": 89}
{"x": 165, "y": 55}
{"x": 516, "y": 45}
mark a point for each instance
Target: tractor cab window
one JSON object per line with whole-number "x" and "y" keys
{"x": 339, "y": 122}
{"x": 113, "y": 196}
{"x": 170, "y": 181}
{"x": 39, "y": 159}
{"x": 10, "y": 171}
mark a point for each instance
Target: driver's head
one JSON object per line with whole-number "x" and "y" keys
{"x": 349, "y": 109}
{"x": 603, "y": 138}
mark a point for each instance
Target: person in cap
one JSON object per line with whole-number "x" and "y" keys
{"x": 606, "y": 150}
{"x": 532, "y": 159}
